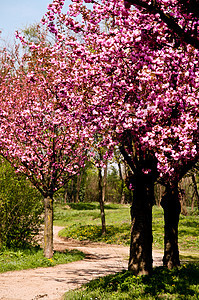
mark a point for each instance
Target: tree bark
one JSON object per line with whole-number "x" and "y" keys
{"x": 72, "y": 191}
{"x": 195, "y": 189}
{"x": 78, "y": 186}
{"x": 140, "y": 261}
{"x": 171, "y": 205}
{"x": 122, "y": 194}
{"x": 104, "y": 182}
{"x": 48, "y": 227}
{"x": 101, "y": 202}
{"x": 66, "y": 193}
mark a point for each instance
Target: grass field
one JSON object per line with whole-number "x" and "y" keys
{"x": 82, "y": 221}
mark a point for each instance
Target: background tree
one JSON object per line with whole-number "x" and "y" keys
{"x": 40, "y": 138}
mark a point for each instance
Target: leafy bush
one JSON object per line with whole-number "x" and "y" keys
{"x": 20, "y": 208}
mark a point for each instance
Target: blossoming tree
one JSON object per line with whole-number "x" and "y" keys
{"x": 141, "y": 95}
{"x": 42, "y": 129}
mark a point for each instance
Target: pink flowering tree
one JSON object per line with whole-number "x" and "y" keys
{"x": 42, "y": 128}
{"x": 181, "y": 17}
{"x": 141, "y": 94}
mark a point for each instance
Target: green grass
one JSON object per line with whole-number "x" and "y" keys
{"x": 89, "y": 213}
{"x": 188, "y": 235}
{"x": 182, "y": 283}
{"x": 21, "y": 259}
{"x": 82, "y": 221}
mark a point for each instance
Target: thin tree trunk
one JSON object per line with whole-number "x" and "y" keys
{"x": 78, "y": 186}
{"x": 182, "y": 199}
{"x": 195, "y": 189}
{"x": 66, "y": 193}
{"x": 48, "y": 227}
{"x": 171, "y": 205}
{"x": 122, "y": 194}
{"x": 104, "y": 182}
{"x": 72, "y": 191}
{"x": 101, "y": 202}
{"x": 140, "y": 261}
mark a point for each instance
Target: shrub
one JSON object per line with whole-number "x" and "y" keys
{"x": 20, "y": 208}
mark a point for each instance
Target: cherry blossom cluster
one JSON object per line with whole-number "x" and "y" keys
{"x": 42, "y": 128}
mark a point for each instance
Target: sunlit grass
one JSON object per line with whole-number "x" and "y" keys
{"x": 89, "y": 213}
{"x": 21, "y": 259}
{"x": 114, "y": 234}
{"x": 83, "y": 222}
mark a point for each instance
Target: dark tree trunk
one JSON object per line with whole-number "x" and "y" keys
{"x": 171, "y": 205}
{"x": 140, "y": 261}
{"x": 101, "y": 202}
{"x": 48, "y": 227}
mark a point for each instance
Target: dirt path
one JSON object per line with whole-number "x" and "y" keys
{"x": 51, "y": 283}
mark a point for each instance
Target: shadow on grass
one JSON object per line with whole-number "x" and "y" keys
{"x": 83, "y": 206}
{"x": 91, "y": 206}
{"x": 186, "y": 232}
{"x": 184, "y": 258}
{"x": 180, "y": 282}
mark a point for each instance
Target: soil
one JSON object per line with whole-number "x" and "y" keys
{"x": 52, "y": 282}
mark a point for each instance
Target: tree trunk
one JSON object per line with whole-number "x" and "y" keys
{"x": 195, "y": 189}
{"x": 66, "y": 193}
{"x": 171, "y": 205}
{"x": 140, "y": 261}
{"x": 78, "y": 186}
{"x": 48, "y": 227}
{"x": 72, "y": 191}
{"x": 122, "y": 194}
{"x": 101, "y": 202}
{"x": 104, "y": 182}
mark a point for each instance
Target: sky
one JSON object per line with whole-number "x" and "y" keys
{"x": 18, "y": 14}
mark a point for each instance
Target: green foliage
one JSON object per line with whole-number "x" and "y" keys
{"x": 30, "y": 258}
{"x": 182, "y": 283}
{"x": 20, "y": 208}
{"x": 114, "y": 188}
{"x": 89, "y": 187}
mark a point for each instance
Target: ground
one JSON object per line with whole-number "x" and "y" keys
{"x": 51, "y": 283}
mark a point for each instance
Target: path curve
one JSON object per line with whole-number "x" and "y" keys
{"x": 52, "y": 282}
